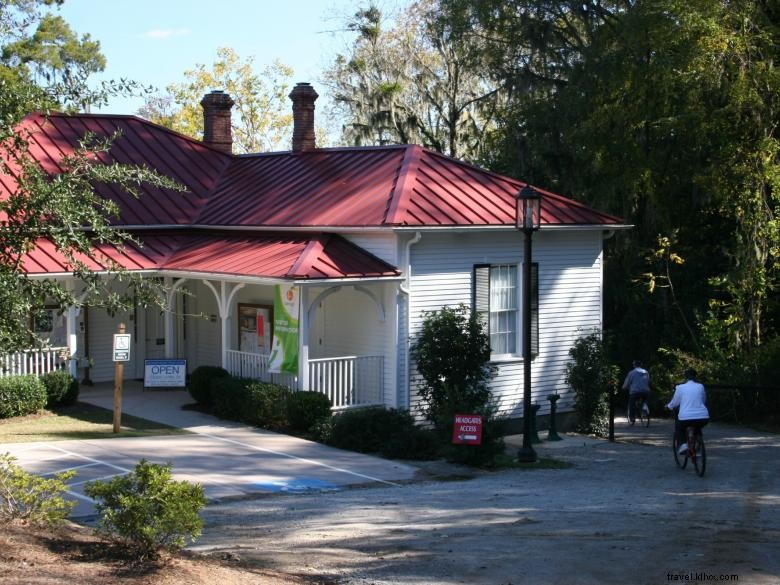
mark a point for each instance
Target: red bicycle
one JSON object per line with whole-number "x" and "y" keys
{"x": 695, "y": 451}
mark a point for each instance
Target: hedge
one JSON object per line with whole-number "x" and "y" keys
{"x": 21, "y": 395}
{"x": 62, "y": 389}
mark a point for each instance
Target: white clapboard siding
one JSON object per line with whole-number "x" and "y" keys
{"x": 102, "y": 328}
{"x": 352, "y": 325}
{"x": 570, "y": 297}
{"x": 381, "y": 245}
{"x": 207, "y": 333}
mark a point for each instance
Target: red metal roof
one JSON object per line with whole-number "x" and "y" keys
{"x": 187, "y": 161}
{"x": 325, "y": 189}
{"x": 285, "y": 256}
{"x": 374, "y": 186}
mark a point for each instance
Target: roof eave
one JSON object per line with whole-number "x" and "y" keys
{"x": 505, "y": 228}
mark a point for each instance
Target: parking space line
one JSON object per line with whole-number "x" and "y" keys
{"x": 98, "y": 461}
{"x": 81, "y": 497}
{"x": 75, "y": 467}
{"x": 255, "y": 448}
{"x": 110, "y": 475}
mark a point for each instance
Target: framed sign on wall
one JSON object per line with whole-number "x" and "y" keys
{"x": 254, "y": 328}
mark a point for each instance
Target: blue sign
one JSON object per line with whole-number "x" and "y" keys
{"x": 165, "y": 373}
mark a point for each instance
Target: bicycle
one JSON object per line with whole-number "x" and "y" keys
{"x": 696, "y": 450}
{"x": 642, "y": 411}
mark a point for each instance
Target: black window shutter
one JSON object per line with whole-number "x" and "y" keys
{"x": 534, "y": 308}
{"x": 481, "y": 294}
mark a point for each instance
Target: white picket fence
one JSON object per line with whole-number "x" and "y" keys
{"x": 34, "y": 361}
{"x": 349, "y": 381}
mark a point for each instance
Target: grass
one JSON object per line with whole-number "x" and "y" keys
{"x": 80, "y": 421}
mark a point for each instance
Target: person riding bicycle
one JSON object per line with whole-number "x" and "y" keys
{"x": 638, "y": 385}
{"x": 691, "y": 398}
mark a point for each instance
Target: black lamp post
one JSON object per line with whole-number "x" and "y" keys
{"x": 528, "y": 211}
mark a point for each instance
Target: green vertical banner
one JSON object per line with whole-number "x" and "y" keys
{"x": 284, "y": 348}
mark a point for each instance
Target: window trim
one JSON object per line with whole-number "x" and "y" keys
{"x": 480, "y": 278}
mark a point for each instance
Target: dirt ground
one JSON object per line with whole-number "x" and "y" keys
{"x": 622, "y": 513}
{"x": 72, "y": 555}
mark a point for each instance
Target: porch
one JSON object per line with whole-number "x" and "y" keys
{"x": 349, "y": 381}
{"x": 34, "y": 361}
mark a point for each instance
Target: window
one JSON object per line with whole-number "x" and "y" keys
{"x": 496, "y": 296}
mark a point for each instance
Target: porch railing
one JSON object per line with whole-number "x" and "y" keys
{"x": 255, "y": 366}
{"x": 34, "y": 361}
{"x": 349, "y": 381}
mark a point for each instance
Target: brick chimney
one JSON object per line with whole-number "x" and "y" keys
{"x": 217, "y": 131}
{"x": 303, "y": 97}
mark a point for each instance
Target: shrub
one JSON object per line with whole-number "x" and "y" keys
{"x": 201, "y": 381}
{"x": 305, "y": 409}
{"x": 452, "y": 354}
{"x": 147, "y": 510}
{"x": 265, "y": 405}
{"x": 228, "y": 397}
{"x": 492, "y": 445}
{"x": 389, "y": 432}
{"x": 592, "y": 378}
{"x": 62, "y": 389}
{"x": 20, "y": 395}
{"x": 24, "y": 496}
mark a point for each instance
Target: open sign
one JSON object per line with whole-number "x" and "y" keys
{"x": 165, "y": 373}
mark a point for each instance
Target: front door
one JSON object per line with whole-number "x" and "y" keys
{"x": 155, "y": 333}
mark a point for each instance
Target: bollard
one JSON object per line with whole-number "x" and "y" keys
{"x": 534, "y": 435}
{"x": 552, "y": 433}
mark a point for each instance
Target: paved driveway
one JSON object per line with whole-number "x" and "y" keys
{"x": 229, "y": 460}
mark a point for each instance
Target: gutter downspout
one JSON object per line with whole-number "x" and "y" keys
{"x": 406, "y": 290}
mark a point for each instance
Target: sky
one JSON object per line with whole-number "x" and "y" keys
{"x": 154, "y": 41}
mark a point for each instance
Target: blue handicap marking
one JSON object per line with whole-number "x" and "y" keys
{"x": 296, "y": 486}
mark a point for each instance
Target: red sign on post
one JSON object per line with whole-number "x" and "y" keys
{"x": 467, "y": 429}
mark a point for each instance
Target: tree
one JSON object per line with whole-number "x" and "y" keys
{"x": 63, "y": 208}
{"x": 261, "y": 121}
{"x": 664, "y": 112}
{"x": 412, "y": 83}
{"x": 54, "y": 53}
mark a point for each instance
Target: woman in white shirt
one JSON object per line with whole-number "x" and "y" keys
{"x": 691, "y": 399}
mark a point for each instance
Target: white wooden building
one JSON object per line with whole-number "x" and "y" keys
{"x": 372, "y": 237}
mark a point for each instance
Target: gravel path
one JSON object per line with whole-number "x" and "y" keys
{"x": 622, "y": 514}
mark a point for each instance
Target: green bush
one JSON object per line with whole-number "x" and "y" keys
{"x": 147, "y": 510}
{"x": 24, "y": 496}
{"x": 305, "y": 409}
{"x": 201, "y": 381}
{"x": 62, "y": 389}
{"x": 592, "y": 378}
{"x": 228, "y": 395}
{"x": 389, "y": 432}
{"x": 452, "y": 354}
{"x": 265, "y": 405}
{"x": 20, "y": 395}
{"x": 483, "y": 455}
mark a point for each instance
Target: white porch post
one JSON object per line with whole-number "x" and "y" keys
{"x": 303, "y": 341}
{"x": 170, "y": 325}
{"x": 224, "y": 298}
{"x": 72, "y": 337}
{"x": 168, "y": 316}
{"x": 394, "y": 399}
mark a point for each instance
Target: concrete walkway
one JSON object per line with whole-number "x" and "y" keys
{"x": 230, "y": 460}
